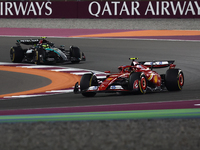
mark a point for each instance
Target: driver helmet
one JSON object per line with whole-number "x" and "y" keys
{"x": 128, "y": 70}
{"x": 45, "y": 45}
{"x": 43, "y": 40}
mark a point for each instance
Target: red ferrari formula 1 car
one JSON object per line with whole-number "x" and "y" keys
{"x": 139, "y": 77}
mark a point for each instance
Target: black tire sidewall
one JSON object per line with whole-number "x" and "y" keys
{"x": 17, "y": 54}
{"x": 36, "y": 57}
{"x": 87, "y": 81}
{"x": 172, "y": 79}
{"x": 37, "y": 54}
{"x": 75, "y": 53}
{"x": 133, "y": 78}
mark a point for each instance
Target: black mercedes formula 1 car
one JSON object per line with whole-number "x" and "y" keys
{"x": 42, "y": 51}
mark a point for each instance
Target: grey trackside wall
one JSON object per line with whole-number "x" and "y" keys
{"x": 159, "y": 134}
{"x": 149, "y": 24}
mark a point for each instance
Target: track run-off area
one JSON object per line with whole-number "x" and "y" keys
{"x": 44, "y": 93}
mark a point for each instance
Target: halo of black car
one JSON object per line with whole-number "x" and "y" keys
{"x": 139, "y": 77}
{"x": 44, "y": 52}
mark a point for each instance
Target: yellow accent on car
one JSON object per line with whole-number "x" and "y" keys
{"x": 133, "y": 58}
{"x": 44, "y": 37}
{"x": 150, "y": 77}
{"x": 140, "y": 87}
{"x": 45, "y": 45}
{"x": 91, "y": 80}
{"x": 155, "y": 79}
{"x": 109, "y": 78}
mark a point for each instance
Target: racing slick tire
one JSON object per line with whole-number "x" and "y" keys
{"x": 16, "y": 54}
{"x": 174, "y": 80}
{"x": 88, "y": 80}
{"x": 39, "y": 55}
{"x": 75, "y": 54}
{"x": 138, "y": 83}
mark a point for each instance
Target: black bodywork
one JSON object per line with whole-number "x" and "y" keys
{"x": 42, "y": 51}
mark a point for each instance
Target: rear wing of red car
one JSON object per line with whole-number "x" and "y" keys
{"x": 158, "y": 64}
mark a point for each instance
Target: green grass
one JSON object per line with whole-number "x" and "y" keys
{"x": 113, "y": 115}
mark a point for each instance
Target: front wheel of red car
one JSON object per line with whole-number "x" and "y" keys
{"x": 87, "y": 80}
{"x": 138, "y": 83}
{"x": 174, "y": 80}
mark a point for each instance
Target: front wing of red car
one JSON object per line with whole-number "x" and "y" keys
{"x": 97, "y": 89}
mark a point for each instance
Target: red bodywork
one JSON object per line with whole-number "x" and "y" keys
{"x": 125, "y": 71}
{"x": 139, "y": 77}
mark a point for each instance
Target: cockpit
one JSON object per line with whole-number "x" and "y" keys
{"x": 125, "y": 69}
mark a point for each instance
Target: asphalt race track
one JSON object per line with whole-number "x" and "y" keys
{"x": 107, "y": 54}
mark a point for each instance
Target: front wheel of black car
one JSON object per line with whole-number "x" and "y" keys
{"x": 75, "y": 54}
{"x": 88, "y": 80}
{"x": 174, "y": 80}
{"x": 38, "y": 56}
{"x": 16, "y": 54}
{"x": 138, "y": 83}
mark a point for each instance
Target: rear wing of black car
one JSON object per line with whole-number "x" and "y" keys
{"x": 157, "y": 64}
{"x": 28, "y": 41}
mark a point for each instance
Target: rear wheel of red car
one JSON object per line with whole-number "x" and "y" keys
{"x": 16, "y": 54}
{"x": 88, "y": 80}
{"x": 174, "y": 80}
{"x": 138, "y": 82}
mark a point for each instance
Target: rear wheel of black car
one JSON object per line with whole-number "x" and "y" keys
{"x": 88, "y": 80}
{"x": 138, "y": 83}
{"x": 174, "y": 79}
{"x": 75, "y": 54}
{"x": 16, "y": 54}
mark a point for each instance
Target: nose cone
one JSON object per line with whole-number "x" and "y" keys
{"x": 106, "y": 83}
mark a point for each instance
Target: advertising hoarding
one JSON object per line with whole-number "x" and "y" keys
{"x": 100, "y": 9}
